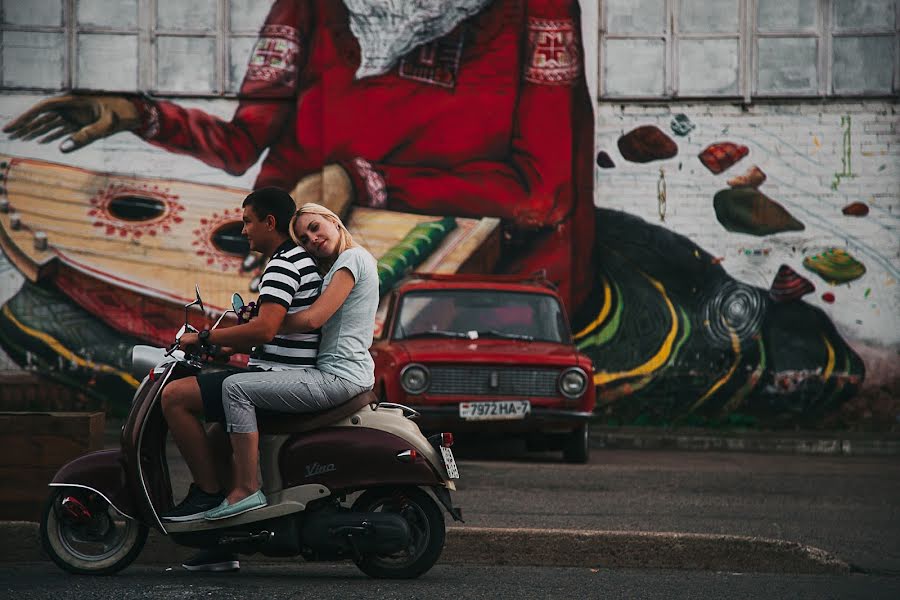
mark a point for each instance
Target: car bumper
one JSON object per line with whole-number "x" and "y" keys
{"x": 546, "y": 420}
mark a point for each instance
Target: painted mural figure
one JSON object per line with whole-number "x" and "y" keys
{"x": 475, "y": 108}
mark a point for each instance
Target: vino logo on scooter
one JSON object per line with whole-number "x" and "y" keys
{"x": 317, "y": 469}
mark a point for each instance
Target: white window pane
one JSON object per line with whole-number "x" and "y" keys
{"x": 707, "y": 67}
{"x": 248, "y": 15}
{"x": 787, "y": 65}
{"x": 634, "y": 67}
{"x": 33, "y": 59}
{"x": 239, "y": 56}
{"x": 863, "y": 64}
{"x": 32, "y": 12}
{"x": 178, "y": 14}
{"x": 185, "y": 64}
{"x": 703, "y": 16}
{"x": 786, "y": 15}
{"x": 872, "y": 14}
{"x": 121, "y": 14}
{"x": 107, "y": 62}
{"x": 635, "y": 16}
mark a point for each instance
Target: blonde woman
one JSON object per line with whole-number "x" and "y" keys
{"x": 345, "y": 312}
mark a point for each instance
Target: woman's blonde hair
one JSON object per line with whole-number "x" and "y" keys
{"x": 345, "y": 240}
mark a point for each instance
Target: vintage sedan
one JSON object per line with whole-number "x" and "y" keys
{"x": 487, "y": 354}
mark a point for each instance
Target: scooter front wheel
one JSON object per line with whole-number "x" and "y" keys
{"x": 426, "y": 524}
{"x": 83, "y": 534}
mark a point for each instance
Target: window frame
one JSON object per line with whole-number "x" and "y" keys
{"x": 147, "y": 33}
{"x": 748, "y": 35}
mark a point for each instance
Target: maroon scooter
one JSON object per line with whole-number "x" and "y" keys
{"x": 348, "y": 483}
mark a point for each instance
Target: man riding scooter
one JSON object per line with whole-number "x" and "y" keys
{"x": 289, "y": 284}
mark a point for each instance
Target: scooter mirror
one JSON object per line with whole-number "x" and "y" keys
{"x": 237, "y": 303}
{"x": 199, "y": 300}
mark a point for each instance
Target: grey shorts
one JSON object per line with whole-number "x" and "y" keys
{"x": 290, "y": 391}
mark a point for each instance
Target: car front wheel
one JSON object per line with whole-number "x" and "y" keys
{"x": 577, "y": 447}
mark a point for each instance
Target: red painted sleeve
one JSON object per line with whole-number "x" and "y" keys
{"x": 267, "y": 99}
{"x": 533, "y": 185}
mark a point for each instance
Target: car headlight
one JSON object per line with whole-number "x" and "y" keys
{"x": 414, "y": 379}
{"x": 572, "y": 383}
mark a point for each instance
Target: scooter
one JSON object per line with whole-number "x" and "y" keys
{"x": 102, "y": 504}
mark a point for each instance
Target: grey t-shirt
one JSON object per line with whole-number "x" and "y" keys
{"x": 347, "y": 335}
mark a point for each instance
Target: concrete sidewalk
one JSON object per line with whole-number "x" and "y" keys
{"x": 543, "y": 547}
{"x": 775, "y": 442}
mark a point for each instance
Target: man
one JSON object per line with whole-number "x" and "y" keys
{"x": 448, "y": 107}
{"x": 290, "y": 283}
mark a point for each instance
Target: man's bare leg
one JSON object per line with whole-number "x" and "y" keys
{"x": 182, "y": 406}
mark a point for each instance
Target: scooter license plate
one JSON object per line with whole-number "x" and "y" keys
{"x": 494, "y": 411}
{"x": 449, "y": 463}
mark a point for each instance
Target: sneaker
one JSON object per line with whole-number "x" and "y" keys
{"x": 194, "y": 505}
{"x": 225, "y": 510}
{"x": 215, "y": 561}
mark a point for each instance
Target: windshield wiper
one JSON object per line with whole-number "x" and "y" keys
{"x": 504, "y": 335}
{"x": 436, "y": 333}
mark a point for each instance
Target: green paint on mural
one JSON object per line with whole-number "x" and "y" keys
{"x": 847, "y": 170}
{"x": 609, "y": 330}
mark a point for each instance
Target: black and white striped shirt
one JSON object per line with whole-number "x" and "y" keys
{"x": 292, "y": 280}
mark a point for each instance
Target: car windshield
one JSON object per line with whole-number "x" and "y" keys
{"x": 480, "y": 314}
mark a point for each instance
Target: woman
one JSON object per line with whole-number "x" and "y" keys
{"x": 345, "y": 312}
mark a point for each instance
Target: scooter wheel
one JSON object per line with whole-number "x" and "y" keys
{"x": 426, "y": 523}
{"x": 100, "y": 543}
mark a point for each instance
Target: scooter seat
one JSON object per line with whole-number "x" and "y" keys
{"x": 270, "y": 422}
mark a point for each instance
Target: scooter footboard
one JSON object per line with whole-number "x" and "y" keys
{"x": 103, "y": 472}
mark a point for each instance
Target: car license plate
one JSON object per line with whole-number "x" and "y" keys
{"x": 449, "y": 463}
{"x": 493, "y": 411}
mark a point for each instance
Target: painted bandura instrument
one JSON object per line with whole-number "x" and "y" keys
{"x": 130, "y": 249}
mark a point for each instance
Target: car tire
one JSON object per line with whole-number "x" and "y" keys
{"x": 578, "y": 445}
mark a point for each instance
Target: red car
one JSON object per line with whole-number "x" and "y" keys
{"x": 487, "y": 353}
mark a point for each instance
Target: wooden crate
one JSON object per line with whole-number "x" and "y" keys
{"x": 34, "y": 447}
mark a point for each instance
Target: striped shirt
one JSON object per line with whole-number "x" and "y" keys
{"x": 292, "y": 280}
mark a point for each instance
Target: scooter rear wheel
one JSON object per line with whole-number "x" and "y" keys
{"x": 426, "y": 523}
{"x": 99, "y": 544}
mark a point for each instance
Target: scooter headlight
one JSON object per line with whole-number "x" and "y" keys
{"x": 572, "y": 383}
{"x": 414, "y": 379}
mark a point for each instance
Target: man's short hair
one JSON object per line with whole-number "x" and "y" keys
{"x": 272, "y": 201}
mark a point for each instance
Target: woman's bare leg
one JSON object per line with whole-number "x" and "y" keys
{"x": 246, "y": 459}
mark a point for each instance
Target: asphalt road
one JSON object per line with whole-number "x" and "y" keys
{"x": 339, "y": 582}
{"x": 849, "y": 506}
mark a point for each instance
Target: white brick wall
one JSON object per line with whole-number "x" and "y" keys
{"x": 799, "y": 145}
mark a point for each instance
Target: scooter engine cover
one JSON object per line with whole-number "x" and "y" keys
{"x": 351, "y": 458}
{"x": 334, "y": 535}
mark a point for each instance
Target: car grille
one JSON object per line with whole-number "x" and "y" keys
{"x": 499, "y": 381}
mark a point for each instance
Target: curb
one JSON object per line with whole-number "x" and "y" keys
{"x": 845, "y": 444}
{"x": 539, "y": 547}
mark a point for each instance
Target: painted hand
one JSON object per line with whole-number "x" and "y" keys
{"x": 330, "y": 188}
{"x": 87, "y": 118}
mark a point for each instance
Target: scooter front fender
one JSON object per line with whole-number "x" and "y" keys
{"x": 102, "y": 472}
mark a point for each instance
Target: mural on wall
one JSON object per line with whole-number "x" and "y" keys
{"x": 395, "y": 114}
{"x": 467, "y": 122}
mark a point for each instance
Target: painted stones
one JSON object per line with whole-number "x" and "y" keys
{"x": 645, "y": 144}
{"x": 835, "y": 265}
{"x": 856, "y": 209}
{"x": 753, "y": 178}
{"x": 746, "y": 210}
{"x": 681, "y": 125}
{"x": 721, "y": 155}
{"x": 604, "y": 161}
{"x": 789, "y": 285}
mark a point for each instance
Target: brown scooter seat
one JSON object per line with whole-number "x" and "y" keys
{"x": 281, "y": 422}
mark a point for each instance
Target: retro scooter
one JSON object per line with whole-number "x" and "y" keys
{"x": 102, "y": 504}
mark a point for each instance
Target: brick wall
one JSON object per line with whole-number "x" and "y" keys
{"x": 811, "y": 171}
